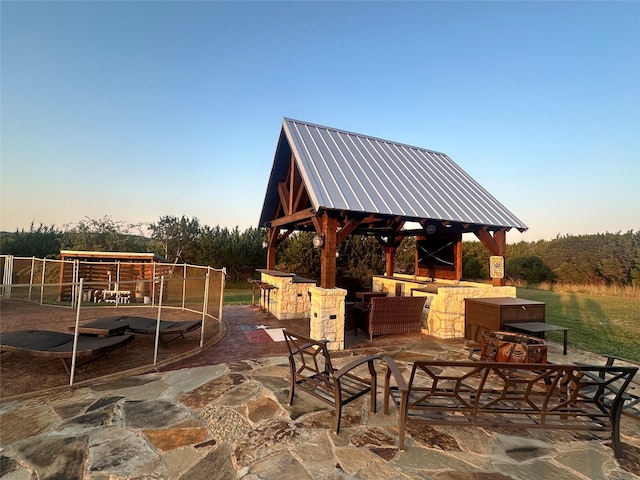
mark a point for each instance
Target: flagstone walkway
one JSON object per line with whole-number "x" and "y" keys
{"x": 203, "y": 418}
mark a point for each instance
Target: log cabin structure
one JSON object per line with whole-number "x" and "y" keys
{"x": 337, "y": 183}
{"x": 108, "y": 269}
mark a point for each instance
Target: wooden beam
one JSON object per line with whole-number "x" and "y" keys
{"x": 294, "y": 217}
{"x": 317, "y": 224}
{"x": 500, "y": 238}
{"x": 488, "y": 241}
{"x": 349, "y": 227}
{"x": 397, "y": 224}
{"x": 390, "y": 260}
{"x": 497, "y": 245}
{"x": 272, "y": 243}
{"x": 328, "y": 254}
{"x": 281, "y": 237}
{"x": 292, "y": 179}
{"x": 283, "y": 193}
{"x": 457, "y": 257}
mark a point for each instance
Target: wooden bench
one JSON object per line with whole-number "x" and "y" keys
{"x": 491, "y": 394}
{"x": 392, "y": 315}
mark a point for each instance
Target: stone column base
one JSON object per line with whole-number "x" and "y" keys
{"x": 327, "y": 316}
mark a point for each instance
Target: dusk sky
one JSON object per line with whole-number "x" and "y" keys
{"x": 136, "y": 110}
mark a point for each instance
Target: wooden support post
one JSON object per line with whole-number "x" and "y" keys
{"x": 500, "y": 237}
{"x": 272, "y": 237}
{"x": 390, "y": 259}
{"x": 328, "y": 255}
{"x": 457, "y": 253}
{"x": 497, "y": 245}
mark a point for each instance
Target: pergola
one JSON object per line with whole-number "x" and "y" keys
{"x": 338, "y": 183}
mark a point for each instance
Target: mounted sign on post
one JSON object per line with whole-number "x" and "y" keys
{"x": 496, "y": 267}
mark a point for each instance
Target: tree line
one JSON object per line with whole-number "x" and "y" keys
{"x": 603, "y": 259}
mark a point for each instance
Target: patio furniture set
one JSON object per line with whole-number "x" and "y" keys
{"x": 107, "y": 296}
{"x": 471, "y": 393}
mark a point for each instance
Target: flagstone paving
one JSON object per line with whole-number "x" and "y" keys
{"x": 231, "y": 420}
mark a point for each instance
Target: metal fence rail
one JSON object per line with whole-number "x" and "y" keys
{"x": 79, "y": 285}
{"x": 47, "y": 281}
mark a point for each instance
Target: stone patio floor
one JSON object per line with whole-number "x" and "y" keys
{"x": 202, "y": 418}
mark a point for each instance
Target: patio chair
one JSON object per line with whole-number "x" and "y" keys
{"x": 48, "y": 344}
{"x": 631, "y": 405}
{"x": 312, "y": 371}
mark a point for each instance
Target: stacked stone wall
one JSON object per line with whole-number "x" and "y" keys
{"x": 446, "y": 313}
{"x": 288, "y": 300}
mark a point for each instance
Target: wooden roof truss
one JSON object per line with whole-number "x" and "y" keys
{"x": 295, "y": 211}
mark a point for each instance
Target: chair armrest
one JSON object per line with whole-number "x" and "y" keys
{"x": 612, "y": 358}
{"x": 392, "y": 369}
{"x": 472, "y": 353}
{"x": 605, "y": 383}
{"x": 401, "y": 384}
{"x": 347, "y": 368}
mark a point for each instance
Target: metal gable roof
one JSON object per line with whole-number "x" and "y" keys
{"x": 348, "y": 171}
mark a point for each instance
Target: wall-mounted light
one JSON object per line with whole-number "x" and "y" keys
{"x": 318, "y": 241}
{"x": 431, "y": 229}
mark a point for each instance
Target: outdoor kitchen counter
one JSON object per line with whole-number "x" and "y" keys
{"x": 294, "y": 278}
{"x": 274, "y": 273}
{"x": 290, "y": 297}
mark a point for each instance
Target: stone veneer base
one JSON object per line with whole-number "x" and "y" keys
{"x": 446, "y": 318}
{"x": 288, "y": 300}
{"x": 328, "y": 316}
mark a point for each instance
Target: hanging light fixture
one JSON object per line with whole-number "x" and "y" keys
{"x": 318, "y": 241}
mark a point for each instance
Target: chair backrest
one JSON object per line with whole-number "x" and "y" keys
{"x": 398, "y": 306}
{"x": 309, "y": 357}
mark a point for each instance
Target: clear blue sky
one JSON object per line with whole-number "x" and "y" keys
{"x": 136, "y": 110}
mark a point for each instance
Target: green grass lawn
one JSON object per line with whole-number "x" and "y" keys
{"x": 237, "y": 296}
{"x": 598, "y": 324}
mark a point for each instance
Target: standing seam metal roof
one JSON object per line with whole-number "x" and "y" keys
{"x": 353, "y": 172}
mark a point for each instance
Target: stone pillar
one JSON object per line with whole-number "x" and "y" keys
{"x": 327, "y": 316}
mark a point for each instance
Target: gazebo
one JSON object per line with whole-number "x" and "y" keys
{"x": 337, "y": 183}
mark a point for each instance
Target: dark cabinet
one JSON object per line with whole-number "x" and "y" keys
{"x": 491, "y": 314}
